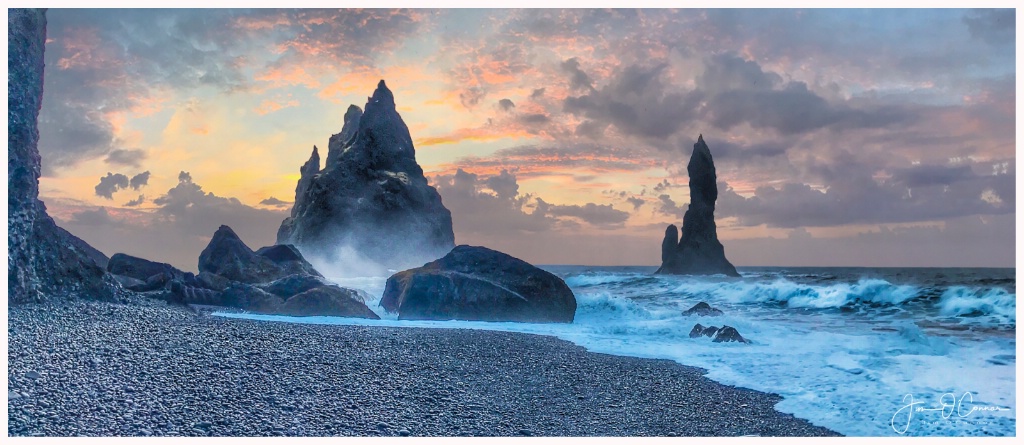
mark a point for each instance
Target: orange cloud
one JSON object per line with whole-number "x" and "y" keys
{"x": 269, "y": 106}
{"x": 292, "y": 75}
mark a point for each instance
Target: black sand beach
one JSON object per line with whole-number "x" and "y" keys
{"x": 102, "y": 369}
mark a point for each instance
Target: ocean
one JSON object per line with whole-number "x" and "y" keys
{"x": 862, "y": 351}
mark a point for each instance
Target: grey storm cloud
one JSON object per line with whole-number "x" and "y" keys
{"x": 140, "y": 180}
{"x": 110, "y": 184}
{"x": 128, "y": 158}
{"x": 638, "y": 102}
{"x": 533, "y": 119}
{"x": 272, "y": 201}
{"x": 537, "y": 93}
{"x": 136, "y": 202}
{"x": 492, "y": 204}
{"x": 506, "y": 105}
{"x": 602, "y": 216}
{"x": 855, "y": 197}
{"x": 578, "y": 80}
{"x": 636, "y": 202}
{"x": 993, "y": 26}
{"x": 668, "y": 207}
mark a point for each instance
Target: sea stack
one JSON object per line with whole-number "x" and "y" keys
{"x": 698, "y": 252}
{"x": 43, "y": 261}
{"x": 371, "y": 197}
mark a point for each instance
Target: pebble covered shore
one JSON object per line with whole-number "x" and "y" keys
{"x": 149, "y": 369}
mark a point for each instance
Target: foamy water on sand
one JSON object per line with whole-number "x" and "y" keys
{"x": 876, "y": 352}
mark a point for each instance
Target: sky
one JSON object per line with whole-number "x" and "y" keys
{"x": 875, "y": 138}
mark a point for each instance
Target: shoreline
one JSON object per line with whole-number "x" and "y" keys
{"x": 91, "y": 368}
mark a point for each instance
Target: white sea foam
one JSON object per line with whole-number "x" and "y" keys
{"x": 849, "y": 371}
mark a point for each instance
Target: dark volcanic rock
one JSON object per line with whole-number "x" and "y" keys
{"x": 84, "y": 248}
{"x": 229, "y": 257}
{"x": 244, "y": 296}
{"x": 139, "y": 268}
{"x": 698, "y": 252}
{"x": 476, "y": 283}
{"x": 719, "y": 335}
{"x": 700, "y": 331}
{"x": 702, "y": 309}
{"x": 212, "y": 281}
{"x": 292, "y": 285}
{"x": 42, "y": 262}
{"x": 727, "y": 334}
{"x": 371, "y": 196}
{"x": 329, "y": 301}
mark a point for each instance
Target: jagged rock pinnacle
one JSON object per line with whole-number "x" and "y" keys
{"x": 371, "y": 197}
{"x": 698, "y": 252}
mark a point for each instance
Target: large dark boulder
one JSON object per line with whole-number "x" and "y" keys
{"x": 139, "y": 268}
{"x": 43, "y": 263}
{"x": 477, "y": 283}
{"x": 371, "y": 198}
{"x": 229, "y": 257}
{"x": 248, "y": 297}
{"x": 327, "y": 301}
{"x": 698, "y": 252}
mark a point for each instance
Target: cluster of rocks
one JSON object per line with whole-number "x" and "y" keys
{"x": 698, "y": 252}
{"x": 274, "y": 279}
{"x": 718, "y": 335}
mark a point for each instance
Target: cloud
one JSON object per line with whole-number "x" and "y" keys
{"x": 470, "y": 97}
{"x": 274, "y": 202}
{"x": 537, "y": 93}
{"x": 128, "y": 158}
{"x": 602, "y": 216}
{"x": 529, "y": 160}
{"x": 140, "y": 180}
{"x": 476, "y": 210}
{"x": 506, "y": 105}
{"x": 578, "y": 80}
{"x": 110, "y": 184}
{"x": 993, "y": 26}
{"x": 637, "y": 102}
{"x": 636, "y": 202}
{"x": 668, "y": 207}
{"x": 95, "y": 217}
{"x": 136, "y": 202}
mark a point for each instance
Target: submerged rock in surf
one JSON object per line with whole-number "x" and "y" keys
{"x": 477, "y": 283}
{"x": 702, "y": 309}
{"x": 718, "y": 335}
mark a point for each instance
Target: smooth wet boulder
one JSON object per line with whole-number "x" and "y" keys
{"x": 292, "y": 285}
{"x": 229, "y": 257}
{"x": 140, "y": 268}
{"x": 248, "y": 297}
{"x": 702, "y": 309}
{"x": 327, "y": 300}
{"x": 212, "y": 281}
{"x": 477, "y": 283}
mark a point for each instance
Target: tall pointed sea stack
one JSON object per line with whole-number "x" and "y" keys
{"x": 698, "y": 252}
{"x": 43, "y": 261}
{"x": 371, "y": 198}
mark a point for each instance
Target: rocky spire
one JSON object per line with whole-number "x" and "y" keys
{"x": 698, "y": 252}
{"x": 306, "y": 173}
{"x": 43, "y": 263}
{"x": 339, "y": 142}
{"x": 371, "y": 196}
